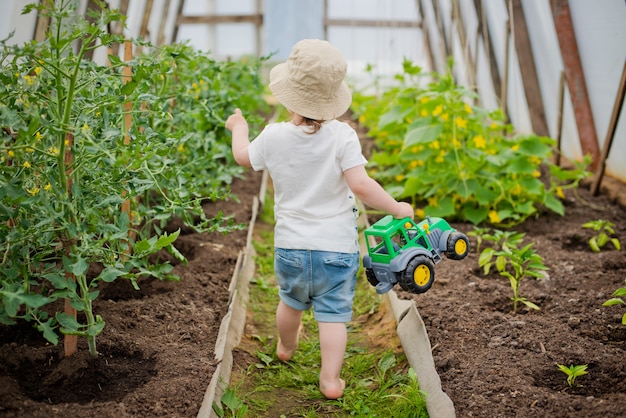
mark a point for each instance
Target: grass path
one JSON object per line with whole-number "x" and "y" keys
{"x": 379, "y": 380}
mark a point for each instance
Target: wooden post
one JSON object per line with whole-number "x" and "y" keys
{"x": 610, "y": 133}
{"x": 128, "y": 107}
{"x": 70, "y": 342}
{"x": 488, "y": 44}
{"x": 559, "y": 120}
{"x": 505, "y": 73}
{"x": 528, "y": 70}
{"x": 575, "y": 79}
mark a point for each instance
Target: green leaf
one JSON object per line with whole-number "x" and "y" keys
{"x": 475, "y": 214}
{"x": 96, "y": 329}
{"x": 68, "y": 323}
{"x": 47, "y": 329}
{"x": 165, "y": 239}
{"x": 614, "y": 301}
{"x": 530, "y": 304}
{"x": 444, "y": 208}
{"x": 109, "y": 274}
{"x": 554, "y": 204}
{"x": 620, "y": 292}
{"x": 59, "y": 281}
{"x": 616, "y": 244}
{"x": 486, "y": 256}
{"x": 422, "y": 134}
{"x": 387, "y": 362}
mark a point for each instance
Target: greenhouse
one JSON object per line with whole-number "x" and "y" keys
{"x": 313, "y": 208}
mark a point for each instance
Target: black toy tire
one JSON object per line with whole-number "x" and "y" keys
{"x": 419, "y": 275}
{"x": 371, "y": 277}
{"x": 458, "y": 246}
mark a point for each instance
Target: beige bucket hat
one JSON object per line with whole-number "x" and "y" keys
{"x": 311, "y": 82}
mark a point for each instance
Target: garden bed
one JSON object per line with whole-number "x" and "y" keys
{"x": 158, "y": 346}
{"x": 496, "y": 363}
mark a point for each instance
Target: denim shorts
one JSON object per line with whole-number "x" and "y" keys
{"x": 322, "y": 279}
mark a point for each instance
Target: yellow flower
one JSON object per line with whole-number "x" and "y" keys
{"x": 66, "y": 142}
{"x": 493, "y": 217}
{"x": 361, "y": 119}
{"x": 38, "y": 136}
{"x": 434, "y": 145}
{"x": 515, "y": 147}
{"x": 85, "y": 128}
{"x": 419, "y": 213}
{"x": 445, "y": 117}
{"x": 399, "y": 177}
{"x": 456, "y": 143}
{"x": 559, "y": 193}
{"x": 516, "y": 190}
{"x": 11, "y": 154}
{"x": 479, "y": 141}
{"x": 29, "y": 80}
{"x": 180, "y": 148}
{"x": 53, "y": 150}
{"x": 432, "y": 201}
{"x": 29, "y": 149}
{"x": 26, "y": 164}
{"x": 47, "y": 187}
{"x": 439, "y": 159}
{"x": 535, "y": 160}
{"x": 424, "y": 113}
{"x": 424, "y": 99}
{"x": 536, "y": 173}
{"x": 38, "y": 70}
{"x": 414, "y": 164}
{"x": 494, "y": 125}
{"x": 460, "y": 122}
{"x": 33, "y": 191}
{"x": 438, "y": 110}
{"x": 468, "y": 109}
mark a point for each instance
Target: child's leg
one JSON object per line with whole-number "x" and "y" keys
{"x": 288, "y": 324}
{"x": 333, "y": 340}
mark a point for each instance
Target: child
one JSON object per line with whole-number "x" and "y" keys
{"x": 317, "y": 169}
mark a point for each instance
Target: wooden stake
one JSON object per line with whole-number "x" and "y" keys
{"x": 610, "y": 134}
{"x": 559, "y": 121}
{"x": 70, "y": 342}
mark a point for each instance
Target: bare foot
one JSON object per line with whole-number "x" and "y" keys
{"x": 283, "y": 353}
{"x": 333, "y": 390}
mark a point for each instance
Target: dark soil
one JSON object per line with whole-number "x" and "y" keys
{"x": 496, "y": 363}
{"x": 157, "y": 350}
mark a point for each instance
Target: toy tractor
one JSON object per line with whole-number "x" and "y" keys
{"x": 404, "y": 252}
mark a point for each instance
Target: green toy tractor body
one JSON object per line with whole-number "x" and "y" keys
{"x": 404, "y": 252}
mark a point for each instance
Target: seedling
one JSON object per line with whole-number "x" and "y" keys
{"x": 234, "y": 406}
{"x": 526, "y": 263}
{"x": 502, "y": 241}
{"x": 573, "y": 372}
{"x": 617, "y": 300}
{"x": 605, "y": 231}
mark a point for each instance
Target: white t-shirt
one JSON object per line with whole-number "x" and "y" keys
{"x": 313, "y": 206}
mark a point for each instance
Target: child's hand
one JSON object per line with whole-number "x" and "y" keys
{"x": 404, "y": 210}
{"x": 236, "y": 120}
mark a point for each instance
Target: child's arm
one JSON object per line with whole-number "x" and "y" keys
{"x": 237, "y": 124}
{"x": 372, "y": 194}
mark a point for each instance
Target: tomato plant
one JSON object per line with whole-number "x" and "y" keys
{"x": 69, "y": 161}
